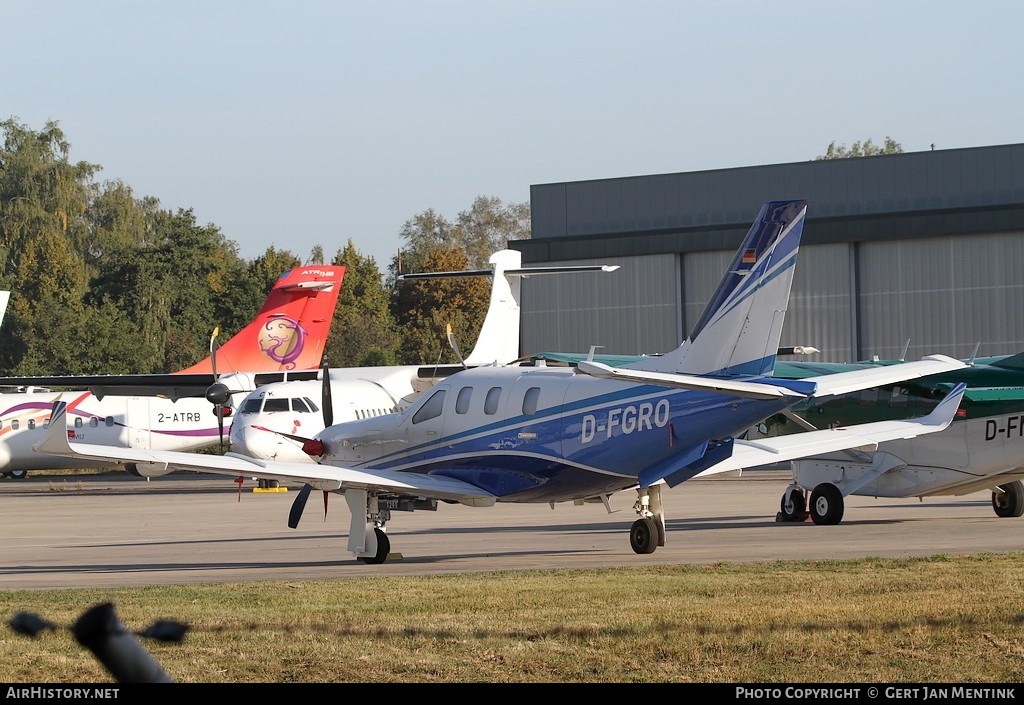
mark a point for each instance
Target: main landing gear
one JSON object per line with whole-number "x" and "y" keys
{"x": 825, "y": 508}
{"x": 1008, "y": 499}
{"x": 648, "y": 532}
{"x": 366, "y": 537}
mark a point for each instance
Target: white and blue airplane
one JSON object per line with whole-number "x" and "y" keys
{"x": 274, "y": 420}
{"x": 516, "y": 434}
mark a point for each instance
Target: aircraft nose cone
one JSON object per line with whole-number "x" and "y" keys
{"x": 264, "y": 444}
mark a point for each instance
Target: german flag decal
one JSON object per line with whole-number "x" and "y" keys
{"x": 749, "y": 256}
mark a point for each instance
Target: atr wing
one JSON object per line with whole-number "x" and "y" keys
{"x": 323, "y": 477}
{"x": 173, "y": 385}
{"x": 774, "y": 388}
{"x": 865, "y": 437}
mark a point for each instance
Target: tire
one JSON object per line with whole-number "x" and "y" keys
{"x": 793, "y": 506}
{"x": 18, "y": 474}
{"x": 383, "y": 548}
{"x": 826, "y": 504}
{"x": 643, "y": 535}
{"x": 1009, "y": 502}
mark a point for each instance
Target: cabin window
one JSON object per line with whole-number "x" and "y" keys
{"x": 431, "y": 408}
{"x": 108, "y": 420}
{"x": 462, "y": 401}
{"x": 530, "y": 401}
{"x": 46, "y": 422}
{"x": 78, "y": 422}
{"x": 93, "y": 422}
{"x": 15, "y": 424}
{"x": 276, "y": 405}
{"x": 869, "y": 397}
{"x": 31, "y": 424}
{"x": 899, "y": 398}
{"x": 491, "y": 401}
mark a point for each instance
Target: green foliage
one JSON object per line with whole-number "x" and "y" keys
{"x": 103, "y": 281}
{"x": 363, "y": 329}
{"x": 424, "y": 309}
{"x": 867, "y": 148}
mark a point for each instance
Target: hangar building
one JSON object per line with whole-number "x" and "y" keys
{"x": 921, "y": 246}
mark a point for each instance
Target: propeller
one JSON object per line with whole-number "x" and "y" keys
{"x": 217, "y": 393}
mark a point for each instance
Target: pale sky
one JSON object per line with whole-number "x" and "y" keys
{"x": 311, "y": 122}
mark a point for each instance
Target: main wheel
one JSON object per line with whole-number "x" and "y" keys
{"x": 1009, "y": 502}
{"x": 643, "y": 535}
{"x": 826, "y": 504}
{"x": 383, "y": 548}
{"x": 18, "y": 474}
{"x": 794, "y": 505}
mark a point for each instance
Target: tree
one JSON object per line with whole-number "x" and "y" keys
{"x": 424, "y": 309}
{"x": 860, "y": 149}
{"x": 488, "y": 226}
{"x": 363, "y": 332}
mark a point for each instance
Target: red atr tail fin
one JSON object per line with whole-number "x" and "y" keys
{"x": 290, "y": 331}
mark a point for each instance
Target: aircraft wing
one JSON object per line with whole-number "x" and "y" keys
{"x": 323, "y": 477}
{"x": 844, "y": 382}
{"x": 865, "y": 437}
{"x": 773, "y": 388}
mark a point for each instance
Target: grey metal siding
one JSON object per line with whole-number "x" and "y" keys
{"x": 927, "y": 246}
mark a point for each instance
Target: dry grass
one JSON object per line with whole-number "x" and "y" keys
{"x": 938, "y": 619}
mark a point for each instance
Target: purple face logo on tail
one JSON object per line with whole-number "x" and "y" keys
{"x": 282, "y": 340}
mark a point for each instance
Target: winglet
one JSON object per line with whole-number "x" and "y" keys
{"x": 943, "y": 414}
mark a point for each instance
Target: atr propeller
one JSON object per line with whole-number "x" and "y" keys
{"x": 217, "y": 393}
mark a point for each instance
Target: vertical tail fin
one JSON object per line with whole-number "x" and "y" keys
{"x": 739, "y": 331}
{"x": 498, "y": 342}
{"x": 290, "y": 331}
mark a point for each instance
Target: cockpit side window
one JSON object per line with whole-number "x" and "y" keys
{"x": 431, "y": 408}
{"x": 251, "y": 406}
{"x": 300, "y": 405}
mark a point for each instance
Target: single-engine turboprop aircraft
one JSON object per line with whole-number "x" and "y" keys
{"x": 152, "y": 411}
{"x": 273, "y": 421}
{"x": 983, "y": 448}
{"x": 538, "y": 434}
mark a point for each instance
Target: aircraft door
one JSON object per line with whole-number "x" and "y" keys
{"x": 427, "y": 422}
{"x": 137, "y": 422}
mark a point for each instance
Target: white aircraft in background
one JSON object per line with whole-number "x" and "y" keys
{"x": 273, "y": 421}
{"x": 289, "y": 333}
{"x": 537, "y": 434}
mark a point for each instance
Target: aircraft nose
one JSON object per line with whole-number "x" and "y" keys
{"x": 264, "y": 444}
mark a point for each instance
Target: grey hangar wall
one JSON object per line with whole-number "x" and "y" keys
{"x": 925, "y": 246}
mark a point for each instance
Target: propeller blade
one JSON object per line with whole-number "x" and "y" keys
{"x": 298, "y": 505}
{"x": 327, "y": 402}
{"x": 455, "y": 346}
{"x": 213, "y": 350}
{"x": 220, "y": 425}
